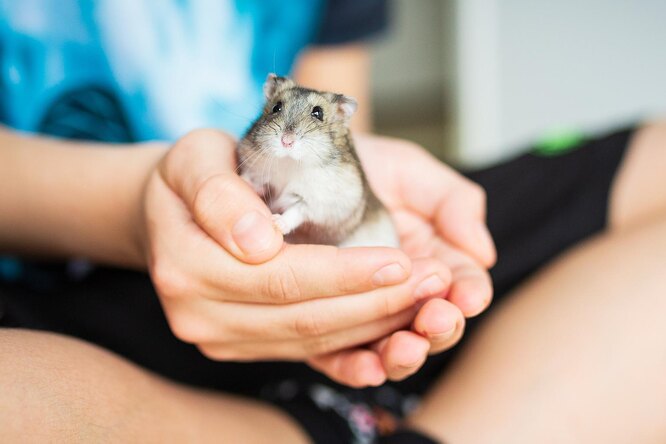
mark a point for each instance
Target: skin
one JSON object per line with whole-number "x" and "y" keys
{"x": 165, "y": 218}
{"x": 577, "y": 353}
{"x": 290, "y": 276}
{"x": 175, "y": 231}
{"x": 201, "y": 304}
{"x": 68, "y": 178}
{"x": 161, "y": 211}
{"x": 59, "y": 389}
{"x": 103, "y": 397}
{"x": 588, "y": 369}
{"x": 450, "y": 222}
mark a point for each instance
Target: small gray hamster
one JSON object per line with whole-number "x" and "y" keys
{"x": 299, "y": 156}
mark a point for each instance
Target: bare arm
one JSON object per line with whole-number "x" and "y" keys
{"x": 68, "y": 199}
{"x": 171, "y": 212}
{"x": 64, "y": 199}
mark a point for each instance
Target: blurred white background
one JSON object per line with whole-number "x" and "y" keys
{"x": 478, "y": 80}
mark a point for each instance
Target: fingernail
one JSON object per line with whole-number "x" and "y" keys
{"x": 441, "y": 337}
{"x": 429, "y": 287}
{"x": 389, "y": 275}
{"x": 376, "y": 380}
{"x": 484, "y": 239}
{"x": 445, "y": 335}
{"x": 417, "y": 363}
{"x": 253, "y": 233}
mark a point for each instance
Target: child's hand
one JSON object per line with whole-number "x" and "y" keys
{"x": 230, "y": 286}
{"x": 439, "y": 215}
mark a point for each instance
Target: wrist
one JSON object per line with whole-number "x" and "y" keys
{"x": 73, "y": 199}
{"x": 147, "y": 159}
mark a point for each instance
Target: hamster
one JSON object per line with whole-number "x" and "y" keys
{"x": 299, "y": 156}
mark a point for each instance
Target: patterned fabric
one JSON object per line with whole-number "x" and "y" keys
{"x": 335, "y": 414}
{"x": 135, "y": 70}
{"x": 170, "y": 66}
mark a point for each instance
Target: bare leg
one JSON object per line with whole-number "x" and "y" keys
{"x": 579, "y": 353}
{"x": 59, "y": 389}
{"x": 639, "y": 193}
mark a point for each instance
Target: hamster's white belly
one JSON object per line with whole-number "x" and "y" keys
{"x": 331, "y": 202}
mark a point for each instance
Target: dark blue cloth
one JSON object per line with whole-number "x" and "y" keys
{"x": 350, "y": 20}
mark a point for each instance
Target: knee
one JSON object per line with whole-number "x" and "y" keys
{"x": 639, "y": 191}
{"x": 63, "y": 389}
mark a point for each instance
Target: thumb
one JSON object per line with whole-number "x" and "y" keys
{"x": 229, "y": 210}
{"x": 202, "y": 171}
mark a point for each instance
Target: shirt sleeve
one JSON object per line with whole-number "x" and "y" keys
{"x": 347, "y": 21}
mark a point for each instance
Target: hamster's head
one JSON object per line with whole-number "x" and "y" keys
{"x": 307, "y": 125}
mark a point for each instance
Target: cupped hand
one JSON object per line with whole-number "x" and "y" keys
{"x": 439, "y": 215}
{"x": 229, "y": 285}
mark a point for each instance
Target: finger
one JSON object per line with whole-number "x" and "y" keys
{"x": 356, "y": 368}
{"x": 460, "y": 219}
{"x": 202, "y": 171}
{"x": 402, "y": 354}
{"x": 319, "y": 317}
{"x": 197, "y": 265}
{"x": 440, "y": 323}
{"x": 471, "y": 287}
{"x": 234, "y": 215}
{"x": 471, "y": 291}
{"x": 306, "y": 272}
{"x": 303, "y": 349}
{"x": 457, "y": 206}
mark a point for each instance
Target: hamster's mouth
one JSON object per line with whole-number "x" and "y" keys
{"x": 298, "y": 148}
{"x": 288, "y": 145}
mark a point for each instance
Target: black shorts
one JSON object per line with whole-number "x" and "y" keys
{"x": 538, "y": 206}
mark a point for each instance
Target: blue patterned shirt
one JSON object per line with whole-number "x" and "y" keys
{"x": 136, "y": 70}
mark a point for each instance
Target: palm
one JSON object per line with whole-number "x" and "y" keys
{"x": 438, "y": 214}
{"x": 434, "y": 212}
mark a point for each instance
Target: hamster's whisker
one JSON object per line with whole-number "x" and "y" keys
{"x": 315, "y": 164}
{"x": 261, "y": 154}
{"x": 270, "y": 170}
{"x": 274, "y": 126}
{"x": 311, "y": 126}
{"x": 265, "y": 176}
{"x": 314, "y": 151}
{"x": 252, "y": 156}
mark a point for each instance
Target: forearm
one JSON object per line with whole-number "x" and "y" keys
{"x": 67, "y": 199}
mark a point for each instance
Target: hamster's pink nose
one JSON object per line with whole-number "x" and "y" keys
{"x": 288, "y": 140}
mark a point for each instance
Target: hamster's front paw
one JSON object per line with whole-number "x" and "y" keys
{"x": 281, "y": 223}
{"x": 291, "y": 219}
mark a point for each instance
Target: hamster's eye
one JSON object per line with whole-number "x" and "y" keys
{"x": 318, "y": 113}
{"x": 277, "y": 108}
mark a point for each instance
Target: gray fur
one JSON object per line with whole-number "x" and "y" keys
{"x": 331, "y": 154}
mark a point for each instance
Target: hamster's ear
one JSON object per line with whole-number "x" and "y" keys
{"x": 273, "y": 84}
{"x": 346, "y": 106}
